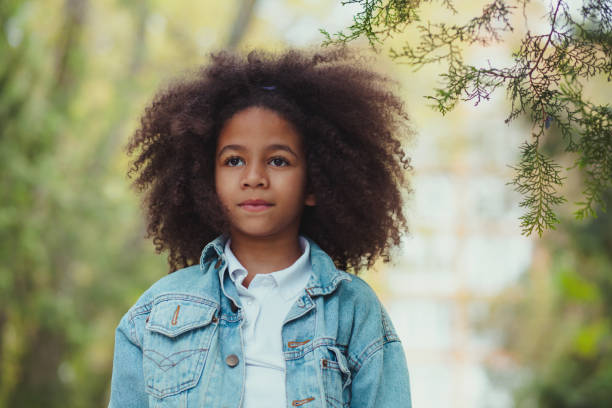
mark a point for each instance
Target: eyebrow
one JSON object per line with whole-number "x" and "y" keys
{"x": 270, "y": 147}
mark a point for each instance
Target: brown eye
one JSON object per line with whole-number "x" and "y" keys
{"x": 278, "y": 162}
{"x": 233, "y": 161}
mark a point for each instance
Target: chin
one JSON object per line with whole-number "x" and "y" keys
{"x": 259, "y": 232}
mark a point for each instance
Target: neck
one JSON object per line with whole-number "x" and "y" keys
{"x": 265, "y": 255}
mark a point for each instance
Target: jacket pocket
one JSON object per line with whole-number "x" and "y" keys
{"x": 176, "y": 343}
{"x": 336, "y": 378}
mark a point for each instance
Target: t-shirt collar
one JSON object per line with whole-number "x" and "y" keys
{"x": 290, "y": 280}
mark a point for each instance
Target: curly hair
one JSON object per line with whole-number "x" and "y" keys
{"x": 351, "y": 125}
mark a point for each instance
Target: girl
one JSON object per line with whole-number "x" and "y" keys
{"x": 266, "y": 178}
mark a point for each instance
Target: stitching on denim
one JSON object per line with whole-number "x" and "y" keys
{"x": 367, "y": 353}
{"x": 196, "y": 372}
{"x": 207, "y": 311}
{"x": 391, "y": 338}
{"x": 229, "y": 319}
{"x": 166, "y": 366}
{"x": 139, "y": 311}
{"x": 320, "y": 342}
{"x": 133, "y": 337}
{"x": 352, "y": 362}
{"x": 324, "y": 290}
{"x": 184, "y": 296}
{"x": 132, "y": 315}
{"x": 307, "y": 307}
{"x": 180, "y": 330}
{"x": 388, "y": 330}
{"x": 392, "y": 341}
{"x": 341, "y": 365}
{"x": 332, "y": 366}
{"x": 385, "y": 323}
{"x": 170, "y": 390}
{"x": 334, "y": 400}
{"x": 375, "y": 346}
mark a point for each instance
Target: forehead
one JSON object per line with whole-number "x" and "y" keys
{"x": 257, "y": 127}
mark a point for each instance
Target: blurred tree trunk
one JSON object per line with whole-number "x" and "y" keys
{"x": 241, "y": 24}
{"x": 108, "y": 146}
{"x": 69, "y": 50}
{"x": 44, "y": 344}
{"x": 2, "y": 326}
{"x": 39, "y": 384}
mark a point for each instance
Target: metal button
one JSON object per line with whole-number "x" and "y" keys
{"x": 231, "y": 360}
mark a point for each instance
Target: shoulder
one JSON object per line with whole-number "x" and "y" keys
{"x": 354, "y": 290}
{"x": 371, "y": 326}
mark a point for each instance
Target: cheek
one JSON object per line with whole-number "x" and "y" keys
{"x": 217, "y": 181}
{"x": 297, "y": 186}
{"x": 221, "y": 186}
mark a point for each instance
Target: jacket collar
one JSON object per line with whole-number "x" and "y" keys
{"x": 326, "y": 276}
{"x": 324, "y": 280}
{"x": 213, "y": 251}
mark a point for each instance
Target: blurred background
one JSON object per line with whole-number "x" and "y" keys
{"x": 488, "y": 317}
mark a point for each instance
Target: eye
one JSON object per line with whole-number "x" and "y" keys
{"x": 278, "y": 162}
{"x": 233, "y": 161}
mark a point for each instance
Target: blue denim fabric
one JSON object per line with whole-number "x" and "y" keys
{"x": 341, "y": 350}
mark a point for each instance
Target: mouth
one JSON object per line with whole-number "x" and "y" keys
{"x": 255, "y": 205}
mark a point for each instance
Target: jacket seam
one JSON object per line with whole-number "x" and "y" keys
{"x": 317, "y": 290}
{"x": 165, "y": 297}
{"x": 369, "y": 352}
{"x": 139, "y": 311}
{"x": 388, "y": 330}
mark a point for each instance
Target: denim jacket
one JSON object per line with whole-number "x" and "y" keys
{"x": 180, "y": 345}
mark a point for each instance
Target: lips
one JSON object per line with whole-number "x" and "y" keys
{"x": 255, "y": 205}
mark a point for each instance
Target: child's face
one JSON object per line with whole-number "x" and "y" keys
{"x": 260, "y": 175}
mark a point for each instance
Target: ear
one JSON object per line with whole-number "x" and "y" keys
{"x": 310, "y": 200}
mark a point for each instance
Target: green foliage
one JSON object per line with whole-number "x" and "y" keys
{"x": 537, "y": 179}
{"x": 561, "y": 328}
{"x": 575, "y": 287}
{"x": 74, "y": 76}
{"x": 544, "y": 83}
{"x": 72, "y": 257}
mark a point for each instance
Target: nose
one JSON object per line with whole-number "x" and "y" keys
{"x": 254, "y": 176}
